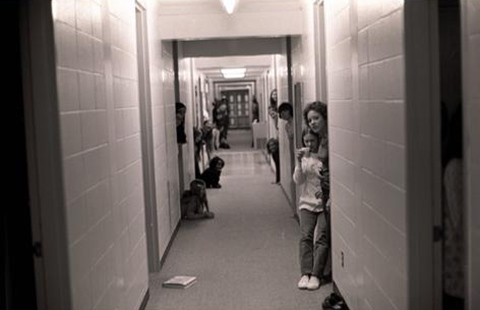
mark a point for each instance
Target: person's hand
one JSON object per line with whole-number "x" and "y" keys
{"x": 300, "y": 153}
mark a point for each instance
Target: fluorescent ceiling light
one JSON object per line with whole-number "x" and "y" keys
{"x": 233, "y": 76}
{"x": 233, "y": 73}
{"x": 229, "y": 5}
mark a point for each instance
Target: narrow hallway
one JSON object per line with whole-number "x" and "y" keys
{"x": 245, "y": 258}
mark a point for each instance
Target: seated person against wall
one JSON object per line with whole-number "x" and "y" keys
{"x": 211, "y": 175}
{"x": 194, "y": 203}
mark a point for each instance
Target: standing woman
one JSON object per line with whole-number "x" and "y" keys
{"x": 315, "y": 116}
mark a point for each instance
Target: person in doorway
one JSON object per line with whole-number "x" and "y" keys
{"x": 315, "y": 116}
{"x": 273, "y": 99}
{"x": 285, "y": 112}
{"x": 273, "y": 113}
{"x": 314, "y": 243}
{"x": 255, "y": 115}
{"x": 207, "y": 136}
{"x": 255, "y": 110}
{"x": 194, "y": 203}
{"x": 273, "y": 150}
{"x": 180, "y": 111}
{"x": 211, "y": 175}
{"x": 453, "y": 243}
{"x": 223, "y": 123}
{"x": 198, "y": 144}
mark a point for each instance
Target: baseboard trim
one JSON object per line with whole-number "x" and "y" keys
{"x": 174, "y": 235}
{"x": 143, "y": 305}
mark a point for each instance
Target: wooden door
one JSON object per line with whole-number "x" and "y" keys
{"x": 239, "y": 106}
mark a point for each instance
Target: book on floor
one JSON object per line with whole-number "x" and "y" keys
{"x": 180, "y": 282}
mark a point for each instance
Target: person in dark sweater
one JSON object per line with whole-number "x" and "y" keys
{"x": 211, "y": 175}
{"x": 273, "y": 149}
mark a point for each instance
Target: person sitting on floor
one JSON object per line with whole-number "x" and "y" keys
{"x": 211, "y": 175}
{"x": 194, "y": 203}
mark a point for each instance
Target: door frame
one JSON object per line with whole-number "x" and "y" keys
{"x": 44, "y": 155}
{"x": 423, "y": 164}
{"x": 471, "y": 146}
{"x": 146, "y": 124}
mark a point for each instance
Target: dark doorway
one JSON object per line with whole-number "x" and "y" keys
{"x": 453, "y": 257}
{"x": 17, "y": 289}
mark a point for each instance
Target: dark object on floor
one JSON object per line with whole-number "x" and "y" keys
{"x": 334, "y": 302}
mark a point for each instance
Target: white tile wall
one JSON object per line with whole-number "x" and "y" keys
{"x": 98, "y": 103}
{"x": 367, "y": 136}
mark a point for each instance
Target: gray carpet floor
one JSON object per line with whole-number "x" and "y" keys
{"x": 247, "y": 257}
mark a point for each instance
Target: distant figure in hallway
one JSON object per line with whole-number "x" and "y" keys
{"x": 221, "y": 116}
{"x": 194, "y": 203}
{"x": 180, "y": 111}
{"x": 255, "y": 110}
{"x": 273, "y": 98}
{"x": 314, "y": 247}
{"x": 255, "y": 115}
{"x": 207, "y": 136}
{"x": 273, "y": 150}
{"x": 273, "y": 108}
{"x": 285, "y": 112}
{"x": 211, "y": 175}
{"x": 198, "y": 144}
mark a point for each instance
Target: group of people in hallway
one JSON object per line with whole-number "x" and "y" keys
{"x": 194, "y": 202}
{"x": 311, "y": 170}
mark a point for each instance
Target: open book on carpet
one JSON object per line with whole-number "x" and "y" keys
{"x": 180, "y": 282}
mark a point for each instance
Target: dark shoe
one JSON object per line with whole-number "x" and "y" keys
{"x": 217, "y": 185}
{"x": 333, "y": 302}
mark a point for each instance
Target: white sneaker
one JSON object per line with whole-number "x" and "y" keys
{"x": 303, "y": 283}
{"x": 313, "y": 283}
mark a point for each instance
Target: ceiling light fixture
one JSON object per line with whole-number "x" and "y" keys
{"x": 229, "y": 5}
{"x": 233, "y": 73}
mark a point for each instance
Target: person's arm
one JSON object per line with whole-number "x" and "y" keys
{"x": 298, "y": 174}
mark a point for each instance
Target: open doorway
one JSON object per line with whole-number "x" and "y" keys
{"x": 17, "y": 286}
{"x": 453, "y": 239}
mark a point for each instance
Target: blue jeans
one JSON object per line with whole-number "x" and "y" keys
{"x": 313, "y": 249}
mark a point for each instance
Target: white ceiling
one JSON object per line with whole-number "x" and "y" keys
{"x": 210, "y": 67}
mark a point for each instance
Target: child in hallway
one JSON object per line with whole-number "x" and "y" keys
{"x": 211, "y": 175}
{"x": 312, "y": 213}
{"x": 194, "y": 203}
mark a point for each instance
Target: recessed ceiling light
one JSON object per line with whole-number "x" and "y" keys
{"x": 229, "y": 5}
